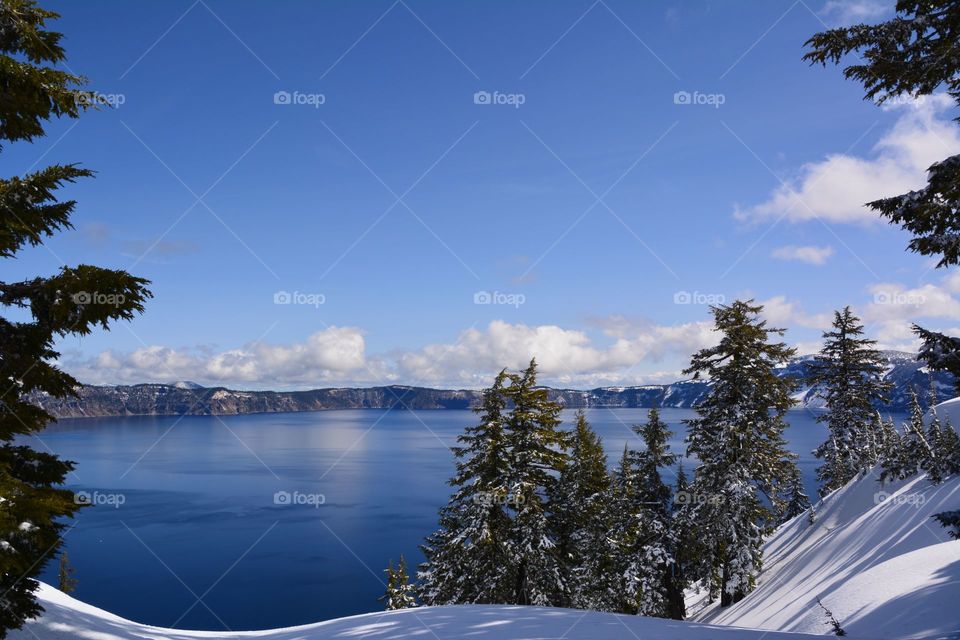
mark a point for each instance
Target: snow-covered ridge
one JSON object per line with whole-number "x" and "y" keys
{"x": 874, "y": 556}
{"x": 70, "y": 619}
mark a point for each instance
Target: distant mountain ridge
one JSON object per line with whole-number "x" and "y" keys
{"x": 188, "y": 398}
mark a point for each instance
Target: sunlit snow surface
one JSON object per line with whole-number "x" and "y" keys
{"x": 67, "y": 619}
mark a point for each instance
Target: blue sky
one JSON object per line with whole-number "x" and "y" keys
{"x": 340, "y": 152}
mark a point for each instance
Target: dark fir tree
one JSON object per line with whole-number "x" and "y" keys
{"x": 623, "y": 531}
{"x": 66, "y": 574}
{"x": 469, "y": 560}
{"x": 950, "y": 520}
{"x": 912, "y": 54}
{"x": 738, "y": 438}
{"x": 536, "y": 452}
{"x": 581, "y": 521}
{"x": 651, "y": 578}
{"x": 687, "y": 548}
{"x": 794, "y": 500}
{"x": 847, "y": 374}
{"x": 42, "y": 309}
{"x": 399, "y": 594}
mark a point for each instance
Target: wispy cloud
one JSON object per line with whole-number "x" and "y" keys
{"x": 809, "y": 254}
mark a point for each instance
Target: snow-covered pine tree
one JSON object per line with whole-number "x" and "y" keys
{"x": 738, "y": 438}
{"x": 536, "y": 450}
{"x": 469, "y": 558}
{"x": 848, "y": 376}
{"x": 891, "y": 448}
{"x": 951, "y": 521}
{"x": 687, "y": 549}
{"x": 917, "y": 456}
{"x": 794, "y": 500}
{"x": 623, "y": 532}
{"x": 399, "y": 594}
{"x": 580, "y": 521}
{"x": 650, "y": 573}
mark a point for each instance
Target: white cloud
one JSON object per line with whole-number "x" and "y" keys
{"x": 835, "y": 189}
{"x": 337, "y": 356}
{"x": 844, "y": 13}
{"x": 808, "y": 254}
{"x": 782, "y": 313}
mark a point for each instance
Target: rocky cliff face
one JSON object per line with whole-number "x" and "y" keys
{"x": 186, "y": 398}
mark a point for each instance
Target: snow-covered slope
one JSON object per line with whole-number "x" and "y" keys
{"x": 68, "y": 619}
{"x": 875, "y": 558}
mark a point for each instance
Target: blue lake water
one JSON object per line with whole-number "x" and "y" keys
{"x": 220, "y": 524}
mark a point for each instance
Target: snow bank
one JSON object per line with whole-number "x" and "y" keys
{"x": 69, "y": 619}
{"x": 874, "y": 556}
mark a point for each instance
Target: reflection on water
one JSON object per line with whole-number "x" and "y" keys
{"x": 201, "y": 516}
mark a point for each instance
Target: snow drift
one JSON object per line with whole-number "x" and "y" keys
{"x": 874, "y": 556}
{"x": 69, "y": 619}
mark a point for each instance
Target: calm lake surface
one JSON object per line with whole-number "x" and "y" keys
{"x": 203, "y": 539}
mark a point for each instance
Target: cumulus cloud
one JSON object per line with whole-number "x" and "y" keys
{"x": 835, "y": 189}
{"x": 843, "y": 13}
{"x": 808, "y": 254}
{"x": 338, "y": 356}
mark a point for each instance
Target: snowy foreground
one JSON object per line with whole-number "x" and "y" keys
{"x": 874, "y": 556}
{"x": 68, "y": 619}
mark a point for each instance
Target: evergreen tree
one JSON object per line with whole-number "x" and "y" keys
{"x": 794, "y": 499}
{"x": 917, "y": 453}
{"x": 738, "y": 438}
{"x": 891, "y": 447}
{"x": 847, "y": 373}
{"x": 399, "y": 594}
{"x": 950, "y": 520}
{"x": 623, "y": 532}
{"x": 494, "y": 544}
{"x": 66, "y": 581}
{"x": 650, "y": 573}
{"x": 687, "y": 549}
{"x": 581, "y": 521}
{"x": 468, "y": 560}
{"x": 43, "y": 309}
{"x": 912, "y": 54}
{"x": 536, "y": 452}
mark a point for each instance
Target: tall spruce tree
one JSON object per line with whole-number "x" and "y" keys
{"x": 912, "y": 54}
{"x": 537, "y": 454}
{"x": 580, "y": 520}
{"x": 738, "y": 438}
{"x": 651, "y": 576}
{"x": 468, "y": 559}
{"x": 848, "y": 376}
{"x": 73, "y": 301}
